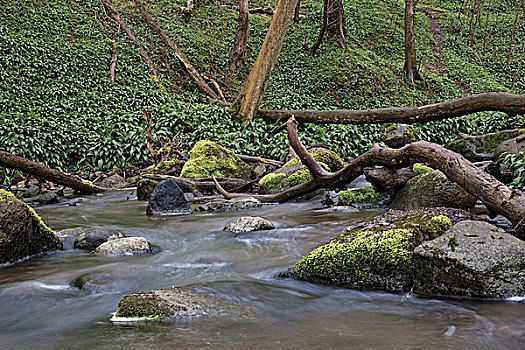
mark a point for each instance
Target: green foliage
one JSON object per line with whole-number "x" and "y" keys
{"x": 516, "y": 163}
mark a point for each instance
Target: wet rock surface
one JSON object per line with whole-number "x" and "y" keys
{"x": 22, "y": 231}
{"x": 114, "y": 181}
{"x": 167, "y": 198}
{"x": 474, "y": 259}
{"x": 229, "y": 205}
{"x": 125, "y": 246}
{"x": 145, "y": 188}
{"x": 248, "y": 224}
{"x": 89, "y": 238}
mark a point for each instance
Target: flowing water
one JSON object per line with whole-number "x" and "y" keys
{"x": 40, "y": 310}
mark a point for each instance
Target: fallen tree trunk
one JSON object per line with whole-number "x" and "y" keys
{"x": 11, "y": 161}
{"x": 251, "y": 159}
{"x": 495, "y": 195}
{"x": 511, "y": 104}
{"x": 114, "y": 15}
{"x": 189, "y": 67}
{"x": 201, "y": 184}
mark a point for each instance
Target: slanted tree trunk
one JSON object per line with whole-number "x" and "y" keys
{"x": 495, "y": 195}
{"x": 11, "y": 161}
{"x": 249, "y": 99}
{"x": 239, "y": 47}
{"x": 410, "y": 43}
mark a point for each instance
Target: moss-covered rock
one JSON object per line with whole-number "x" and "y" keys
{"x": 145, "y": 188}
{"x": 419, "y": 169}
{"x": 172, "y": 166}
{"x": 22, "y": 231}
{"x": 208, "y": 158}
{"x": 361, "y": 195}
{"x": 294, "y": 173}
{"x": 378, "y": 256}
{"x": 432, "y": 189}
{"x": 396, "y": 135}
{"x": 482, "y": 147}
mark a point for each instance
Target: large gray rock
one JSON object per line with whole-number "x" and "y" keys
{"x": 248, "y": 224}
{"x": 168, "y": 198}
{"x": 145, "y": 188}
{"x": 124, "y": 246}
{"x": 22, "y": 232}
{"x": 514, "y": 145}
{"x": 474, "y": 259}
{"x": 113, "y": 181}
{"x": 89, "y": 238}
{"x": 430, "y": 190}
{"x": 49, "y": 197}
{"x": 177, "y": 305}
{"x": 229, "y": 204}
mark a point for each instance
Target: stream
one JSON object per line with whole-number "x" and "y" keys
{"x": 39, "y": 309}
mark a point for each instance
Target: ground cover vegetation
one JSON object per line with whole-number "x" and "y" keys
{"x": 58, "y": 106}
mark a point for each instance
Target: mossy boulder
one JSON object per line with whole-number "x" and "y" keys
{"x": 208, "y": 158}
{"x": 145, "y": 188}
{"x": 432, "y": 189}
{"x": 22, "y": 231}
{"x": 474, "y": 259}
{"x": 396, "y": 135}
{"x": 419, "y": 169}
{"x": 170, "y": 166}
{"x": 360, "y": 195}
{"x": 294, "y": 173}
{"x": 376, "y": 256}
{"x": 482, "y": 147}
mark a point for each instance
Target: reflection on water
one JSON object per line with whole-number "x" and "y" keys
{"x": 41, "y": 310}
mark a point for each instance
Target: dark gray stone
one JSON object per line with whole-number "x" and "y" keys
{"x": 22, "y": 232}
{"x": 49, "y": 197}
{"x": 145, "y": 188}
{"x": 432, "y": 189}
{"x": 474, "y": 259}
{"x": 89, "y": 238}
{"x": 514, "y": 145}
{"x": 167, "y": 198}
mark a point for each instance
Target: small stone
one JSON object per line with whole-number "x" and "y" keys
{"x": 90, "y": 238}
{"x": 113, "y": 181}
{"x": 248, "y": 224}
{"x": 168, "y": 198}
{"x": 235, "y": 204}
{"x": 124, "y": 246}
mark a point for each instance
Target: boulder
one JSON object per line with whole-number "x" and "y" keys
{"x": 167, "y": 198}
{"x": 474, "y": 259}
{"x": 166, "y": 167}
{"x": 388, "y": 180}
{"x": 229, "y": 205}
{"x": 48, "y": 197}
{"x": 294, "y": 173}
{"x": 177, "y": 304}
{"x": 145, "y": 188}
{"x": 514, "y": 145}
{"x": 482, "y": 147}
{"x": 209, "y": 159}
{"x": 248, "y": 224}
{"x": 360, "y": 195}
{"x": 22, "y": 231}
{"x": 114, "y": 181}
{"x": 124, "y": 246}
{"x": 432, "y": 189}
{"x": 396, "y": 135}
{"x": 377, "y": 255}
{"x": 89, "y": 238}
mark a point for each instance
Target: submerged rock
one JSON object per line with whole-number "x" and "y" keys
{"x": 176, "y": 305}
{"x": 432, "y": 189}
{"x": 89, "y": 238}
{"x": 145, "y": 188}
{"x": 248, "y": 224}
{"x": 294, "y": 173}
{"x": 229, "y": 204}
{"x": 209, "y": 159}
{"x": 124, "y": 246}
{"x": 376, "y": 256}
{"x": 474, "y": 259}
{"x": 22, "y": 231}
{"x": 167, "y": 198}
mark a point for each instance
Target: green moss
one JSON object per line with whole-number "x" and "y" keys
{"x": 6, "y": 197}
{"x": 89, "y": 183}
{"x": 38, "y": 221}
{"x": 360, "y": 255}
{"x": 452, "y": 243}
{"x": 361, "y": 195}
{"x": 299, "y": 177}
{"x": 207, "y": 159}
{"x": 419, "y": 168}
{"x": 142, "y": 305}
{"x": 163, "y": 167}
{"x": 425, "y": 182}
{"x": 271, "y": 182}
{"x": 332, "y": 161}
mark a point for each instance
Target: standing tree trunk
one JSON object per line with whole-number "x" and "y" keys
{"x": 333, "y": 23}
{"x": 249, "y": 99}
{"x": 242, "y": 36}
{"x": 410, "y": 43}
